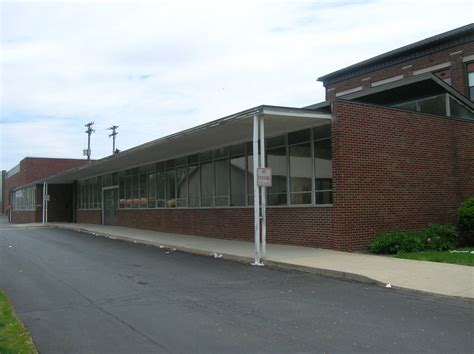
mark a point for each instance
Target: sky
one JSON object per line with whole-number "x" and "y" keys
{"x": 157, "y": 67}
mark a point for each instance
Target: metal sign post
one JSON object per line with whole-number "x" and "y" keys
{"x": 262, "y": 178}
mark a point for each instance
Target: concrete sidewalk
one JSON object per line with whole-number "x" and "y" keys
{"x": 430, "y": 277}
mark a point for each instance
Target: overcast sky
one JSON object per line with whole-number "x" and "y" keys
{"x": 158, "y": 67}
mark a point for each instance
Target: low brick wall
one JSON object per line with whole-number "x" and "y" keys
{"x": 89, "y": 216}
{"x": 24, "y": 217}
{"x": 298, "y": 226}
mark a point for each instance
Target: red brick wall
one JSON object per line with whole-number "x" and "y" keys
{"x": 34, "y": 168}
{"x": 396, "y": 169}
{"x": 464, "y": 158}
{"x": 89, "y": 216}
{"x": 458, "y": 71}
{"x": 37, "y": 168}
{"x": 298, "y": 226}
{"x": 24, "y": 217}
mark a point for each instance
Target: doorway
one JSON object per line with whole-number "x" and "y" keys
{"x": 110, "y": 206}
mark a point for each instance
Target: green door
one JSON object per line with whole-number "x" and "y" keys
{"x": 110, "y": 206}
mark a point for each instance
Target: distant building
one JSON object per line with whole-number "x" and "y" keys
{"x": 392, "y": 147}
{"x": 25, "y": 203}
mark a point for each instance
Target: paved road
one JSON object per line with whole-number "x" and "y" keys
{"x": 80, "y": 293}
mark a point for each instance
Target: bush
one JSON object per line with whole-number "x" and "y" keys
{"x": 386, "y": 242}
{"x": 466, "y": 220}
{"x": 435, "y": 237}
{"x": 392, "y": 242}
{"x": 441, "y": 237}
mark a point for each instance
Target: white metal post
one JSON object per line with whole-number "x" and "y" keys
{"x": 44, "y": 203}
{"x": 256, "y": 198}
{"x": 264, "y": 189}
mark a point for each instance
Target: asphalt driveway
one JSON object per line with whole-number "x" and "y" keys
{"x": 80, "y": 293}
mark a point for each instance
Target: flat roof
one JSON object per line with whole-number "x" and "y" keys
{"x": 415, "y": 50}
{"x": 233, "y": 129}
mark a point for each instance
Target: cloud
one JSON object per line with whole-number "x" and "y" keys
{"x": 154, "y": 68}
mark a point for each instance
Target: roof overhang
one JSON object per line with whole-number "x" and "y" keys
{"x": 419, "y": 86}
{"x": 229, "y": 130}
{"x": 414, "y": 87}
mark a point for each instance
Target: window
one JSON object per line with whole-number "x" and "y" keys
{"x": 443, "y": 104}
{"x": 182, "y": 186}
{"x": 470, "y": 80}
{"x": 322, "y": 164}
{"x": 300, "y": 167}
{"x": 170, "y": 184}
{"x": 301, "y": 164}
{"x": 207, "y": 184}
{"x": 444, "y": 75}
{"x": 237, "y": 175}
{"x": 160, "y": 185}
{"x": 222, "y": 182}
{"x": 25, "y": 199}
{"x": 277, "y": 161}
{"x": 90, "y": 193}
{"x": 194, "y": 183}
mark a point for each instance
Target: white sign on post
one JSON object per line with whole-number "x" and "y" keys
{"x": 264, "y": 177}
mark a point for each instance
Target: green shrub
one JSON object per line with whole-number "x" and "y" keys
{"x": 413, "y": 242}
{"x": 435, "y": 237}
{"x": 466, "y": 220}
{"x": 392, "y": 242}
{"x": 386, "y": 242}
{"x": 441, "y": 237}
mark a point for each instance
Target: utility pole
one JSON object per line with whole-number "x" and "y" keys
{"x": 113, "y": 134}
{"x": 89, "y": 131}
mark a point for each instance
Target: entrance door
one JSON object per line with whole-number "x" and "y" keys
{"x": 110, "y": 206}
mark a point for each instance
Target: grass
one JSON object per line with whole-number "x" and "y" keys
{"x": 442, "y": 256}
{"x": 13, "y": 336}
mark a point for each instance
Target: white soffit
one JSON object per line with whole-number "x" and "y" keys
{"x": 223, "y": 132}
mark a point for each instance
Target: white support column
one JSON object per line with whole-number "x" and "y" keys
{"x": 256, "y": 198}
{"x": 44, "y": 203}
{"x": 264, "y": 189}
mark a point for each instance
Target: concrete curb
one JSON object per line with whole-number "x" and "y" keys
{"x": 329, "y": 273}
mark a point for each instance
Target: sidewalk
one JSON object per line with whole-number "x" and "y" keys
{"x": 429, "y": 277}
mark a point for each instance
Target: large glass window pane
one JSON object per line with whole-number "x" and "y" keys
{"x": 128, "y": 191}
{"x": 276, "y": 160}
{"x": 122, "y": 200}
{"x": 152, "y": 190}
{"x": 299, "y": 136}
{"x": 221, "y": 152}
{"x": 275, "y": 142}
{"x": 250, "y": 175}
{"x": 222, "y": 177}
{"x": 237, "y": 150}
{"x": 135, "y": 190}
{"x": 434, "y": 105}
{"x": 300, "y": 173}
{"x": 170, "y": 188}
{"x": 143, "y": 194}
{"x": 322, "y": 131}
{"x": 237, "y": 181}
{"x": 160, "y": 189}
{"x": 459, "y": 110}
{"x": 194, "y": 182}
{"x": 323, "y": 171}
{"x": 207, "y": 184}
{"x": 182, "y": 186}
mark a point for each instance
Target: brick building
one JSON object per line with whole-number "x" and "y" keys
{"x": 392, "y": 147}
{"x": 29, "y": 170}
